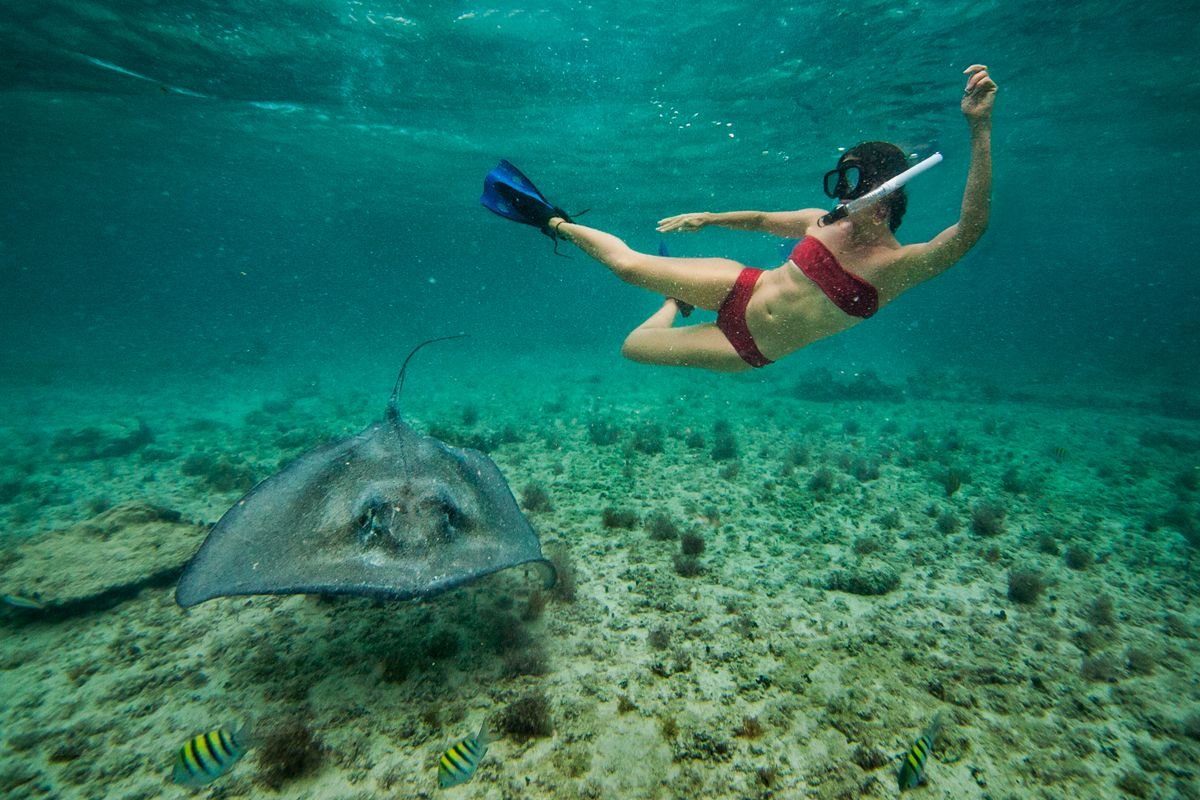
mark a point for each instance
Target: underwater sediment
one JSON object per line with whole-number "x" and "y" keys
{"x": 771, "y": 604}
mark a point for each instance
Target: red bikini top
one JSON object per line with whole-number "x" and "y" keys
{"x": 848, "y": 292}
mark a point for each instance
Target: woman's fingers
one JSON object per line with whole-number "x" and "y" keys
{"x": 978, "y": 77}
{"x": 984, "y": 82}
{"x": 677, "y": 222}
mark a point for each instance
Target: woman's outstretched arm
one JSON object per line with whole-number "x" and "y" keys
{"x": 922, "y": 261}
{"x": 977, "y": 102}
{"x": 788, "y": 224}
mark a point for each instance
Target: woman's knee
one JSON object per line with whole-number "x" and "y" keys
{"x": 649, "y": 346}
{"x": 626, "y": 263}
{"x": 633, "y": 348}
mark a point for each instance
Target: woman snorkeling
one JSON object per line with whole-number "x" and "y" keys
{"x": 837, "y": 276}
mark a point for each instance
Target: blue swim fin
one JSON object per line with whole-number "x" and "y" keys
{"x": 507, "y": 192}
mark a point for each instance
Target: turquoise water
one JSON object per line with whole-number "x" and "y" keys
{"x": 328, "y": 171}
{"x": 224, "y": 225}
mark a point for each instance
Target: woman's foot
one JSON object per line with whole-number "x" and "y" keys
{"x": 552, "y": 225}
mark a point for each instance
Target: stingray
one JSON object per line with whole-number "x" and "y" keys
{"x": 389, "y": 513}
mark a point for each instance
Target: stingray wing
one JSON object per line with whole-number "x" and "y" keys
{"x": 387, "y": 513}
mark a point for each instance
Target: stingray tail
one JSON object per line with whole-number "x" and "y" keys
{"x": 393, "y": 412}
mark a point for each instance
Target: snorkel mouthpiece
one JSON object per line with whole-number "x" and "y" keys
{"x": 879, "y": 192}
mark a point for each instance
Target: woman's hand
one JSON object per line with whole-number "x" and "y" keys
{"x": 979, "y": 95}
{"x": 684, "y": 222}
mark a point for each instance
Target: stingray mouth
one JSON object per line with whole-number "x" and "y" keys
{"x": 406, "y": 523}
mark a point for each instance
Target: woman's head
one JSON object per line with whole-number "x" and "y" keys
{"x": 875, "y": 163}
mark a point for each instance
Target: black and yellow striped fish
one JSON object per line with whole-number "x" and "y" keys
{"x": 912, "y": 771}
{"x": 206, "y": 757}
{"x": 457, "y": 765}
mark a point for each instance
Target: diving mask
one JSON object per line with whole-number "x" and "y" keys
{"x": 845, "y": 182}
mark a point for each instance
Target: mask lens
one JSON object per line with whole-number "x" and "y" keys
{"x": 851, "y": 182}
{"x": 842, "y": 183}
{"x": 832, "y": 179}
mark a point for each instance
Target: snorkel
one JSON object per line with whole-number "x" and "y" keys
{"x": 879, "y": 192}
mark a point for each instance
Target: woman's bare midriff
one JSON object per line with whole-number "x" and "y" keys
{"x": 788, "y": 311}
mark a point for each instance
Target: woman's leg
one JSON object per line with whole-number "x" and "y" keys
{"x": 703, "y": 282}
{"x": 656, "y": 341}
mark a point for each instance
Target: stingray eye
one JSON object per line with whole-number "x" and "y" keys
{"x": 374, "y": 521}
{"x": 450, "y": 517}
{"x": 366, "y": 519}
{"x": 365, "y": 523}
{"x": 455, "y": 517}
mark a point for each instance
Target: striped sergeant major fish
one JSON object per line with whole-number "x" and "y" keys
{"x": 206, "y": 757}
{"x": 457, "y": 765}
{"x": 912, "y": 770}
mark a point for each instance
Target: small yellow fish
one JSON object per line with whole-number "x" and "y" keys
{"x": 206, "y": 757}
{"x": 912, "y": 771}
{"x": 457, "y": 765}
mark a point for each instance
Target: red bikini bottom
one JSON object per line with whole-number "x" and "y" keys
{"x": 731, "y": 318}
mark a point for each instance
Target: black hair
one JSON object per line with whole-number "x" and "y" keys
{"x": 880, "y": 161}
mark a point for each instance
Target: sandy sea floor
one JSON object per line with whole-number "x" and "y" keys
{"x": 874, "y": 551}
